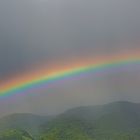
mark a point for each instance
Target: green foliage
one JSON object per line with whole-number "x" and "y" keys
{"x": 70, "y": 129}
{"x": 67, "y": 129}
{"x": 15, "y": 135}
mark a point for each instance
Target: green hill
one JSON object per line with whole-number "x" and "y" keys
{"x": 114, "y": 121}
{"x": 67, "y": 129}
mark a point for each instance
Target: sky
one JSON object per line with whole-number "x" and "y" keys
{"x": 59, "y": 32}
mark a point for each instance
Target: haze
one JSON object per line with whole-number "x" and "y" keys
{"x": 36, "y": 31}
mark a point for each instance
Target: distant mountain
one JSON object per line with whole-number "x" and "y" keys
{"x": 28, "y": 122}
{"x": 117, "y": 115}
{"x": 95, "y": 112}
{"x": 115, "y": 121}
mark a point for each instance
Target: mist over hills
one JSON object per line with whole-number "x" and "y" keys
{"x": 117, "y": 115}
{"x": 117, "y": 120}
{"x": 23, "y": 121}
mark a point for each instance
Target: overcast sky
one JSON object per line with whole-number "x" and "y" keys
{"x": 36, "y": 31}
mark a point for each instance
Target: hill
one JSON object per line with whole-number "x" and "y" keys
{"x": 113, "y": 121}
{"x": 67, "y": 129}
{"x": 116, "y": 121}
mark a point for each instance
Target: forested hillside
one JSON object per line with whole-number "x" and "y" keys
{"x": 114, "y": 121}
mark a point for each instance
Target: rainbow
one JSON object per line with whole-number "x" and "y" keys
{"x": 43, "y": 77}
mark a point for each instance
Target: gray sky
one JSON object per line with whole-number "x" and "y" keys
{"x": 32, "y": 31}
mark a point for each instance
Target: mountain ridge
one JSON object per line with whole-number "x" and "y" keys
{"x": 116, "y": 120}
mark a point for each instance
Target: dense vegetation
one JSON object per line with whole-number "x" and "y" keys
{"x": 15, "y": 135}
{"x": 115, "y": 121}
{"x": 67, "y": 129}
{"x": 75, "y": 129}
